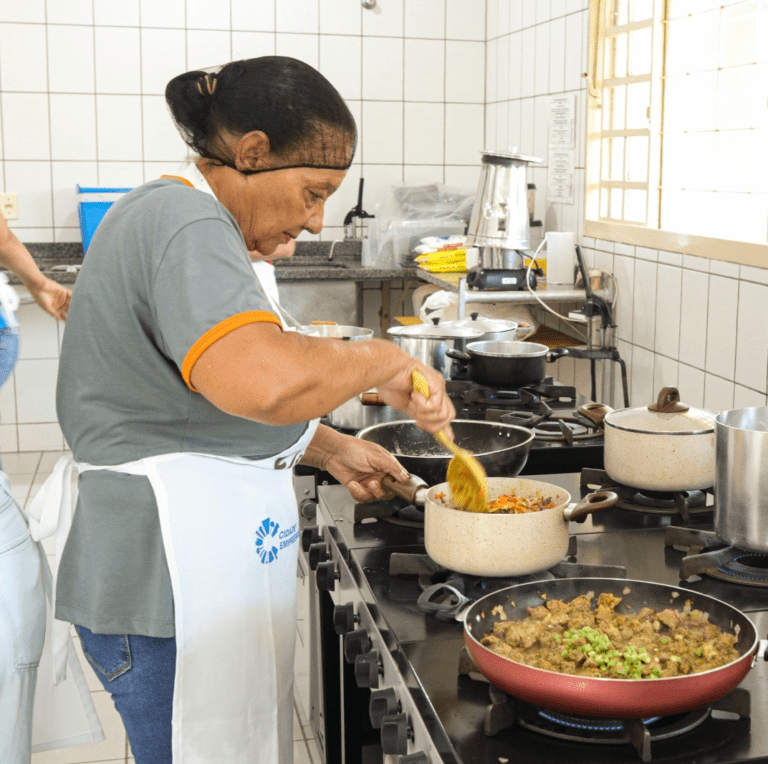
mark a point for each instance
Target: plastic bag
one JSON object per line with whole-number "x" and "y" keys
{"x": 407, "y": 215}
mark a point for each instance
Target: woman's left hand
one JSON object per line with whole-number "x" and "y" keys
{"x": 360, "y": 466}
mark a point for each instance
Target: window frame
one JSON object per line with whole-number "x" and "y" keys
{"x": 648, "y": 235}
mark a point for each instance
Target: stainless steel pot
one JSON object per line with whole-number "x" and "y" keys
{"x": 507, "y": 365}
{"x": 741, "y": 478}
{"x": 493, "y": 329}
{"x": 337, "y": 331}
{"x": 666, "y": 446}
{"x": 429, "y": 343}
{"x": 361, "y": 412}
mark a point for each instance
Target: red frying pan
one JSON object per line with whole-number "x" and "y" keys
{"x": 607, "y": 697}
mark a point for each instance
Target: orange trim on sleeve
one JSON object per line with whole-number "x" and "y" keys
{"x": 219, "y": 331}
{"x": 176, "y": 177}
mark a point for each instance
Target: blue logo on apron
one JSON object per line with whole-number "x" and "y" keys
{"x": 265, "y": 545}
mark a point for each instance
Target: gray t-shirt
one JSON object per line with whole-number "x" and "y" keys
{"x": 166, "y": 273}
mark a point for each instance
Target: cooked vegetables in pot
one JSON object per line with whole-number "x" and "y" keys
{"x": 573, "y": 638}
{"x": 509, "y": 503}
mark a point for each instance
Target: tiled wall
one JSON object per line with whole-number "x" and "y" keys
{"x": 82, "y": 84}
{"x": 685, "y": 321}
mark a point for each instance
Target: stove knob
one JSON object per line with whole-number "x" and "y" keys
{"x": 356, "y": 643}
{"x": 367, "y": 670}
{"x": 326, "y": 576}
{"x": 344, "y": 618}
{"x": 382, "y": 703}
{"x": 310, "y": 536}
{"x": 318, "y": 553}
{"x": 395, "y": 734}
{"x": 308, "y": 509}
{"x": 415, "y": 758}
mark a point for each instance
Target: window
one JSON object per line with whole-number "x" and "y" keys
{"x": 677, "y": 134}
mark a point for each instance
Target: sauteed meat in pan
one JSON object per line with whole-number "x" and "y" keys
{"x": 575, "y": 638}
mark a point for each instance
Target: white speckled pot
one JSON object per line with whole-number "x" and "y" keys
{"x": 656, "y": 450}
{"x": 482, "y": 544}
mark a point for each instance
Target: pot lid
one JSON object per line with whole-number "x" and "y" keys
{"x": 483, "y": 324}
{"x": 668, "y": 415}
{"x": 431, "y": 331}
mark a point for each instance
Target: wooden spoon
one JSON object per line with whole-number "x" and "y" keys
{"x": 465, "y": 475}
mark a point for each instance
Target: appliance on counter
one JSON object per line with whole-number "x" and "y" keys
{"x": 500, "y": 223}
{"x": 393, "y": 682}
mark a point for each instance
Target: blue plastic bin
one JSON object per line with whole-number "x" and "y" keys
{"x": 93, "y": 203}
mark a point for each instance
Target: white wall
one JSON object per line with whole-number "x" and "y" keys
{"x": 82, "y": 82}
{"x": 684, "y": 321}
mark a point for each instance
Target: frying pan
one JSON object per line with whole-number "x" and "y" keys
{"x": 607, "y": 697}
{"x": 502, "y": 449}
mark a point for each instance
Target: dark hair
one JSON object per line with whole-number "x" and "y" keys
{"x": 303, "y": 115}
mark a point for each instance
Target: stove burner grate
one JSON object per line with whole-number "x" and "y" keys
{"x": 683, "y": 503}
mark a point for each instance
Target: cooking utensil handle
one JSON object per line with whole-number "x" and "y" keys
{"x": 414, "y": 490}
{"x": 595, "y": 412}
{"x": 371, "y": 399}
{"x": 592, "y": 502}
{"x": 457, "y": 355}
{"x": 419, "y": 382}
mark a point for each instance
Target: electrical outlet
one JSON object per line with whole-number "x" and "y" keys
{"x": 9, "y": 206}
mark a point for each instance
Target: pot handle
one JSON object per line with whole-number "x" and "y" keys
{"x": 556, "y": 353}
{"x": 595, "y": 412}
{"x": 458, "y": 355}
{"x": 592, "y": 502}
{"x": 414, "y": 490}
{"x": 668, "y": 402}
{"x": 371, "y": 399}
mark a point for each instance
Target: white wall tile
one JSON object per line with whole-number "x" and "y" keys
{"x": 644, "y": 311}
{"x": 543, "y": 11}
{"x": 463, "y": 177}
{"x": 253, "y": 45}
{"x": 305, "y": 47}
{"x": 384, "y": 20}
{"x": 527, "y": 119}
{"x": 119, "y": 174}
{"x": 204, "y": 14}
{"x": 502, "y": 69}
{"x": 721, "y": 326}
{"x": 529, "y": 14}
{"x": 163, "y": 57}
{"x": 528, "y": 52}
{"x": 541, "y": 128}
{"x": 642, "y": 391}
{"x": 117, "y": 73}
{"x": 465, "y": 71}
{"x": 464, "y": 22}
{"x": 421, "y": 175}
{"x": 22, "y": 58}
{"x": 69, "y": 11}
{"x": 251, "y": 16}
{"x": 65, "y": 177}
{"x": 575, "y": 50}
{"x": 425, "y": 18}
{"x": 31, "y": 181}
{"x": 670, "y": 258}
{"x": 26, "y": 132}
{"x": 491, "y": 19}
{"x": 693, "y": 318}
{"x": 464, "y": 131}
{"x": 752, "y": 345}
{"x": 338, "y": 17}
{"x": 34, "y": 235}
{"x": 340, "y": 62}
{"x": 297, "y": 16}
{"x": 424, "y": 68}
{"x": 71, "y": 59}
{"x": 118, "y": 127}
{"x": 8, "y": 401}
{"x": 73, "y": 127}
{"x": 541, "y": 61}
{"x": 32, "y": 11}
{"x": 38, "y": 334}
{"x": 665, "y": 373}
{"x": 382, "y": 68}
{"x": 36, "y": 390}
{"x": 382, "y": 133}
{"x": 668, "y": 297}
{"x": 379, "y": 179}
{"x": 424, "y": 139}
{"x": 557, "y": 56}
{"x": 691, "y": 385}
{"x": 718, "y": 393}
{"x": 750, "y": 273}
{"x": 744, "y": 398}
{"x": 209, "y": 48}
{"x": 169, "y": 13}
{"x": 491, "y": 72}
{"x": 122, "y": 14}
{"x": 696, "y": 263}
{"x": 162, "y": 141}
{"x": 625, "y": 279}
{"x": 9, "y": 442}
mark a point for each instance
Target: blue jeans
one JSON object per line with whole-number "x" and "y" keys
{"x": 138, "y": 672}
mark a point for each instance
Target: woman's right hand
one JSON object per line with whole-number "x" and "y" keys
{"x": 431, "y": 414}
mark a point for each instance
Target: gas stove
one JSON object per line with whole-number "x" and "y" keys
{"x": 394, "y": 671}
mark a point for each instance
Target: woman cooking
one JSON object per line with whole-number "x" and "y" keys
{"x": 185, "y": 405}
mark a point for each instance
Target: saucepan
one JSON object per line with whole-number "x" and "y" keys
{"x": 501, "y": 448}
{"x": 503, "y": 363}
{"x": 487, "y": 544}
{"x": 607, "y": 697}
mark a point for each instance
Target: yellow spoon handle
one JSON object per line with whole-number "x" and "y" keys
{"x": 420, "y": 385}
